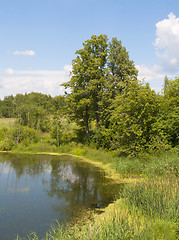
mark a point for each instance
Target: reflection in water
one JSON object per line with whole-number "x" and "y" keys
{"x": 25, "y": 189}
{"x": 38, "y": 190}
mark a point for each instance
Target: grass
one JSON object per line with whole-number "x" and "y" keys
{"x": 7, "y": 122}
{"x": 156, "y": 198}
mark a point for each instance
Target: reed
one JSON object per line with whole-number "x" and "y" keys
{"x": 156, "y": 198}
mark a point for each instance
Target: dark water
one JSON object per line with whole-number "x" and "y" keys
{"x": 37, "y": 190}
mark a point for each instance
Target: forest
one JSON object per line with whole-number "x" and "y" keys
{"x": 105, "y": 107}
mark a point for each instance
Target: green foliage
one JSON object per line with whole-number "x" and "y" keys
{"x": 121, "y": 68}
{"x": 135, "y": 112}
{"x": 7, "y": 122}
{"x": 6, "y": 140}
{"x": 167, "y": 124}
{"x": 159, "y": 229}
{"x": 171, "y": 91}
{"x": 129, "y": 116}
{"x": 6, "y": 144}
{"x": 165, "y": 164}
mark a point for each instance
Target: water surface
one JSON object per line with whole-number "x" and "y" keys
{"x": 37, "y": 190}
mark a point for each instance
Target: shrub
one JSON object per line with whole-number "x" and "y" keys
{"x": 6, "y": 144}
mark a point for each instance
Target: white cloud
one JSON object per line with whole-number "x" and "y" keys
{"x": 167, "y": 52}
{"x": 149, "y": 73}
{"x": 9, "y": 71}
{"x": 167, "y": 43}
{"x": 68, "y": 69}
{"x": 153, "y": 75}
{"x": 44, "y": 81}
{"x": 25, "y": 53}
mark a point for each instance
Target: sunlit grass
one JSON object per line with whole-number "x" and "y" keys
{"x": 7, "y": 122}
{"x": 156, "y": 198}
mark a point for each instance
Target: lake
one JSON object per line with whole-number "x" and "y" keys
{"x": 38, "y": 190}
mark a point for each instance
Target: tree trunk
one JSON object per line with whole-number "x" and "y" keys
{"x": 58, "y": 142}
{"x": 86, "y": 122}
{"x": 18, "y": 131}
{"x": 28, "y": 127}
{"x": 97, "y": 112}
{"x": 97, "y": 120}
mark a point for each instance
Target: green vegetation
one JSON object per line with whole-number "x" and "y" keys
{"x": 135, "y": 130}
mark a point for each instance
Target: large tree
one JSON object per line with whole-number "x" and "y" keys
{"x": 100, "y": 72}
{"x": 87, "y": 81}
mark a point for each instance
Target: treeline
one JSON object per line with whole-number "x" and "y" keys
{"x": 34, "y": 109}
{"x": 107, "y": 106}
{"x": 30, "y": 116}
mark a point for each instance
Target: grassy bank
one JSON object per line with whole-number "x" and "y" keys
{"x": 165, "y": 164}
{"x": 148, "y": 207}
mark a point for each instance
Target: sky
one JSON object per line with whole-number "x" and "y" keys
{"x": 39, "y": 38}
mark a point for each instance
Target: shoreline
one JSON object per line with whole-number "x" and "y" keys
{"x": 109, "y": 173}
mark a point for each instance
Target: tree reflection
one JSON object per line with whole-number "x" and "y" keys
{"x": 78, "y": 184}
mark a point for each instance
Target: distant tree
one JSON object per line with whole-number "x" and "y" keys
{"x": 7, "y": 107}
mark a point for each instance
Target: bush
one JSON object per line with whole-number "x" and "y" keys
{"x": 6, "y": 144}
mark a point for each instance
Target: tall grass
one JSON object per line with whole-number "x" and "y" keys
{"x": 166, "y": 164}
{"x": 155, "y": 198}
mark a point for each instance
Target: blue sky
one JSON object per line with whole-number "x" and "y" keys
{"x": 39, "y": 39}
